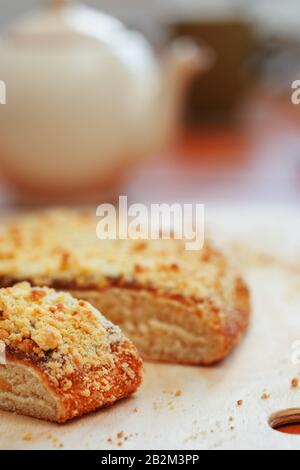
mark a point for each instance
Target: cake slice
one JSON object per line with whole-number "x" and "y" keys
{"x": 63, "y": 358}
{"x": 175, "y": 305}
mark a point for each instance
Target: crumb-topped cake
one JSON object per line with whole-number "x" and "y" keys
{"x": 63, "y": 358}
{"x": 176, "y": 305}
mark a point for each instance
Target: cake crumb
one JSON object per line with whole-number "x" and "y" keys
{"x": 28, "y": 437}
{"x": 135, "y": 410}
{"x": 120, "y": 444}
{"x": 55, "y": 441}
{"x": 265, "y": 396}
{"x": 178, "y": 393}
{"x": 120, "y": 435}
{"x": 294, "y": 383}
{"x": 240, "y": 403}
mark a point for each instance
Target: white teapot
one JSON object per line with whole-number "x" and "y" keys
{"x": 86, "y": 98}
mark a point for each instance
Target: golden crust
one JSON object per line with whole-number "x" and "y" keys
{"x": 236, "y": 321}
{"x": 60, "y": 249}
{"x": 170, "y": 330}
{"x": 82, "y": 359}
{"x": 91, "y": 389}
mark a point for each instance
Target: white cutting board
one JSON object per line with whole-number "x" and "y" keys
{"x": 181, "y": 407}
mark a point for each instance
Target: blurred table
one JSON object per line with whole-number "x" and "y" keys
{"x": 258, "y": 162}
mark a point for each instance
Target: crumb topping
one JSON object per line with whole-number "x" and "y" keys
{"x": 61, "y": 334}
{"x": 60, "y": 248}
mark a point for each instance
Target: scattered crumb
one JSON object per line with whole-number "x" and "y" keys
{"x": 121, "y": 438}
{"x": 294, "y": 383}
{"x": 135, "y": 410}
{"x": 231, "y": 419}
{"x": 197, "y": 436}
{"x": 178, "y": 393}
{"x": 55, "y": 441}
{"x": 27, "y": 437}
{"x": 232, "y": 428}
{"x": 240, "y": 403}
{"x": 265, "y": 396}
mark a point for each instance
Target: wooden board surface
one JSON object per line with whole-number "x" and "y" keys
{"x": 181, "y": 407}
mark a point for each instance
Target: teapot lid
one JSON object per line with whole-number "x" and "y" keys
{"x": 62, "y": 20}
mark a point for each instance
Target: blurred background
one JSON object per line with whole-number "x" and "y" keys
{"x": 234, "y": 137}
